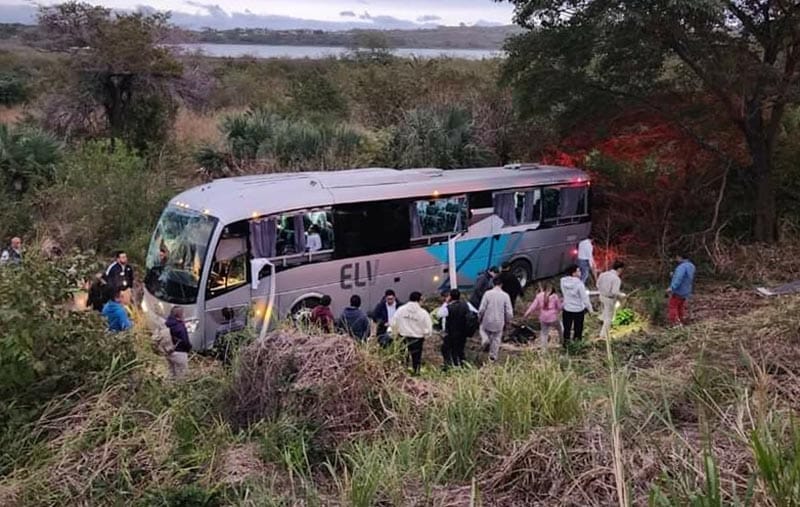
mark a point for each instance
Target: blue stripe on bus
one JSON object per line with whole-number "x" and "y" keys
{"x": 479, "y": 254}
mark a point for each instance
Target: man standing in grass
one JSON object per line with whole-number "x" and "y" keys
{"x": 495, "y": 314}
{"x": 608, "y": 285}
{"x": 680, "y": 289}
{"x": 413, "y": 324}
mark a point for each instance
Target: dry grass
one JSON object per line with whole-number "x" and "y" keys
{"x": 195, "y": 128}
{"x": 11, "y": 115}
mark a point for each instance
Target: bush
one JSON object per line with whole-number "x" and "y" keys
{"x": 434, "y": 138}
{"x": 260, "y": 136}
{"x": 13, "y": 89}
{"x": 48, "y": 350}
{"x": 28, "y": 158}
{"x": 104, "y": 198}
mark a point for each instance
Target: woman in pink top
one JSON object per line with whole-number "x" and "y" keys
{"x": 548, "y": 304}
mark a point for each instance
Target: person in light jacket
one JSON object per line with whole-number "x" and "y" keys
{"x": 548, "y": 305}
{"x": 576, "y": 304}
{"x": 609, "y": 284}
{"x": 413, "y": 324}
{"x": 495, "y": 313}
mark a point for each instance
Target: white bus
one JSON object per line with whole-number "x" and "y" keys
{"x": 251, "y": 250}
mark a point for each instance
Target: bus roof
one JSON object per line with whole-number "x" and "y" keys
{"x": 234, "y": 199}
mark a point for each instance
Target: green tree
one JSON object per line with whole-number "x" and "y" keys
{"x": 121, "y": 61}
{"x": 743, "y": 54}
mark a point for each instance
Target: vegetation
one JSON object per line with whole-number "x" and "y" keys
{"x": 733, "y": 60}
{"x": 703, "y": 415}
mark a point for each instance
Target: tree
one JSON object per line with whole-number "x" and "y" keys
{"x": 738, "y": 56}
{"x": 120, "y": 61}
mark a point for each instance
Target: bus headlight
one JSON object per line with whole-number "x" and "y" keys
{"x": 191, "y": 325}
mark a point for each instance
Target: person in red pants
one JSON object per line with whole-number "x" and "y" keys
{"x": 680, "y": 289}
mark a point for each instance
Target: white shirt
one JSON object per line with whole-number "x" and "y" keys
{"x": 313, "y": 242}
{"x": 390, "y": 311}
{"x": 412, "y": 321}
{"x": 586, "y": 251}
{"x": 609, "y": 284}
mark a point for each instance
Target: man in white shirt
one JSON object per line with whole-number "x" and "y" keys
{"x": 412, "y": 323}
{"x": 608, "y": 285}
{"x": 495, "y": 313}
{"x": 586, "y": 258}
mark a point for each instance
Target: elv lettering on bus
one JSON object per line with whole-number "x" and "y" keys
{"x": 350, "y": 275}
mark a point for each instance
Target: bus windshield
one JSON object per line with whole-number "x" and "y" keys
{"x": 177, "y": 254}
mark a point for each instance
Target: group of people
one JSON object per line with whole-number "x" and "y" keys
{"x": 490, "y": 309}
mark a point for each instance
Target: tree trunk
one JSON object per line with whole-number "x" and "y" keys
{"x": 766, "y": 223}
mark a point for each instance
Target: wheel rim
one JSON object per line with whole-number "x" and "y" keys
{"x": 522, "y": 275}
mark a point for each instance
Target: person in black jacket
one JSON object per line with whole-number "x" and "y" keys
{"x": 482, "y": 284}
{"x": 455, "y": 330}
{"x": 178, "y": 359}
{"x": 354, "y": 321}
{"x": 99, "y": 293}
{"x": 119, "y": 275}
{"x": 511, "y": 285}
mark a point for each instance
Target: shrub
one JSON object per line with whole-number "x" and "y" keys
{"x": 314, "y": 93}
{"x": 434, "y": 138}
{"x": 264, "y": 137}
{"x": 13, "y": 89}
{"x": 104, "y": 198}
{"x": 48, "y": 350}
{"x": 28, "y": 158}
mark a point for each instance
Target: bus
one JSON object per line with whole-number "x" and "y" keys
{"x": 251, "y": 250}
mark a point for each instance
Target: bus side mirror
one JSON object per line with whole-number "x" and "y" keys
{"x": 255, "y": 270}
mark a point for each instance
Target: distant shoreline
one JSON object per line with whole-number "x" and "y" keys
{"x": 297, "y": 51}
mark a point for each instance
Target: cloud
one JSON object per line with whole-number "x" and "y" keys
{"x": 213, "y": 10}
{"x": 347, "y": 14}
{"x": 428, "y": 18}
{"x": 365, "y": 16}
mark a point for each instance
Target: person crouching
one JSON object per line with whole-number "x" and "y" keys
{"x": 178, "y": 359}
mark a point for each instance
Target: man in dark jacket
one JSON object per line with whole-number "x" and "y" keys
{"x": 119, "y": 274}
{"x": 98, "y": 293}
{"x": 178, "y": 359}
{"x": 354, "y": 321}
{"x": 455, "y": 330}
{"x": 383, "y": 313}
{"x": 482, "y": 284}
{"x": 511, "y": 285}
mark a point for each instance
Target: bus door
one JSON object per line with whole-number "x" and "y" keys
{"x": 228, "y": 292}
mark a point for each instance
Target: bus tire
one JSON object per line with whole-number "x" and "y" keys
{"x": 521, "y": 268}
{"x": 301, "y": 311}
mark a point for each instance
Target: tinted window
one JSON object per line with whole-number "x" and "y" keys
{"x": 370, "y": 228}
{"x": 480, "y": 200}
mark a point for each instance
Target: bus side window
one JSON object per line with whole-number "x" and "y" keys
{"x": 550, "y": 204}
{"x": 229, "y": 266}
{"x": 438, "y": 217}
{"x": 370, "y": 228}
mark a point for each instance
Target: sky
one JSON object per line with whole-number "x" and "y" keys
{"x": 324, "y": 14}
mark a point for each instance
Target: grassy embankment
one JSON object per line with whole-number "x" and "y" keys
{"x": 702, "y": 415}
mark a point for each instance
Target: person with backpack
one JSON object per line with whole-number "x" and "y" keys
{"x": 461, "y": 323}
{"x": 548, "y": 305}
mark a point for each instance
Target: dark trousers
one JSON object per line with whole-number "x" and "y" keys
{"x": 453, "y": 350}
{"x": 572, "y": 321}
{"x": 414, "y": 351}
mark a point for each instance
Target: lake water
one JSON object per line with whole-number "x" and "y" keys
{"x": 316, "y": 52}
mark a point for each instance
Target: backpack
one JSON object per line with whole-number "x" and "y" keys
{"x": 472, "y": 323}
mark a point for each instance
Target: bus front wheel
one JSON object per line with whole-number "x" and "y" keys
{"x": 301, "y": 311}
{"x": 521, "y": 269}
